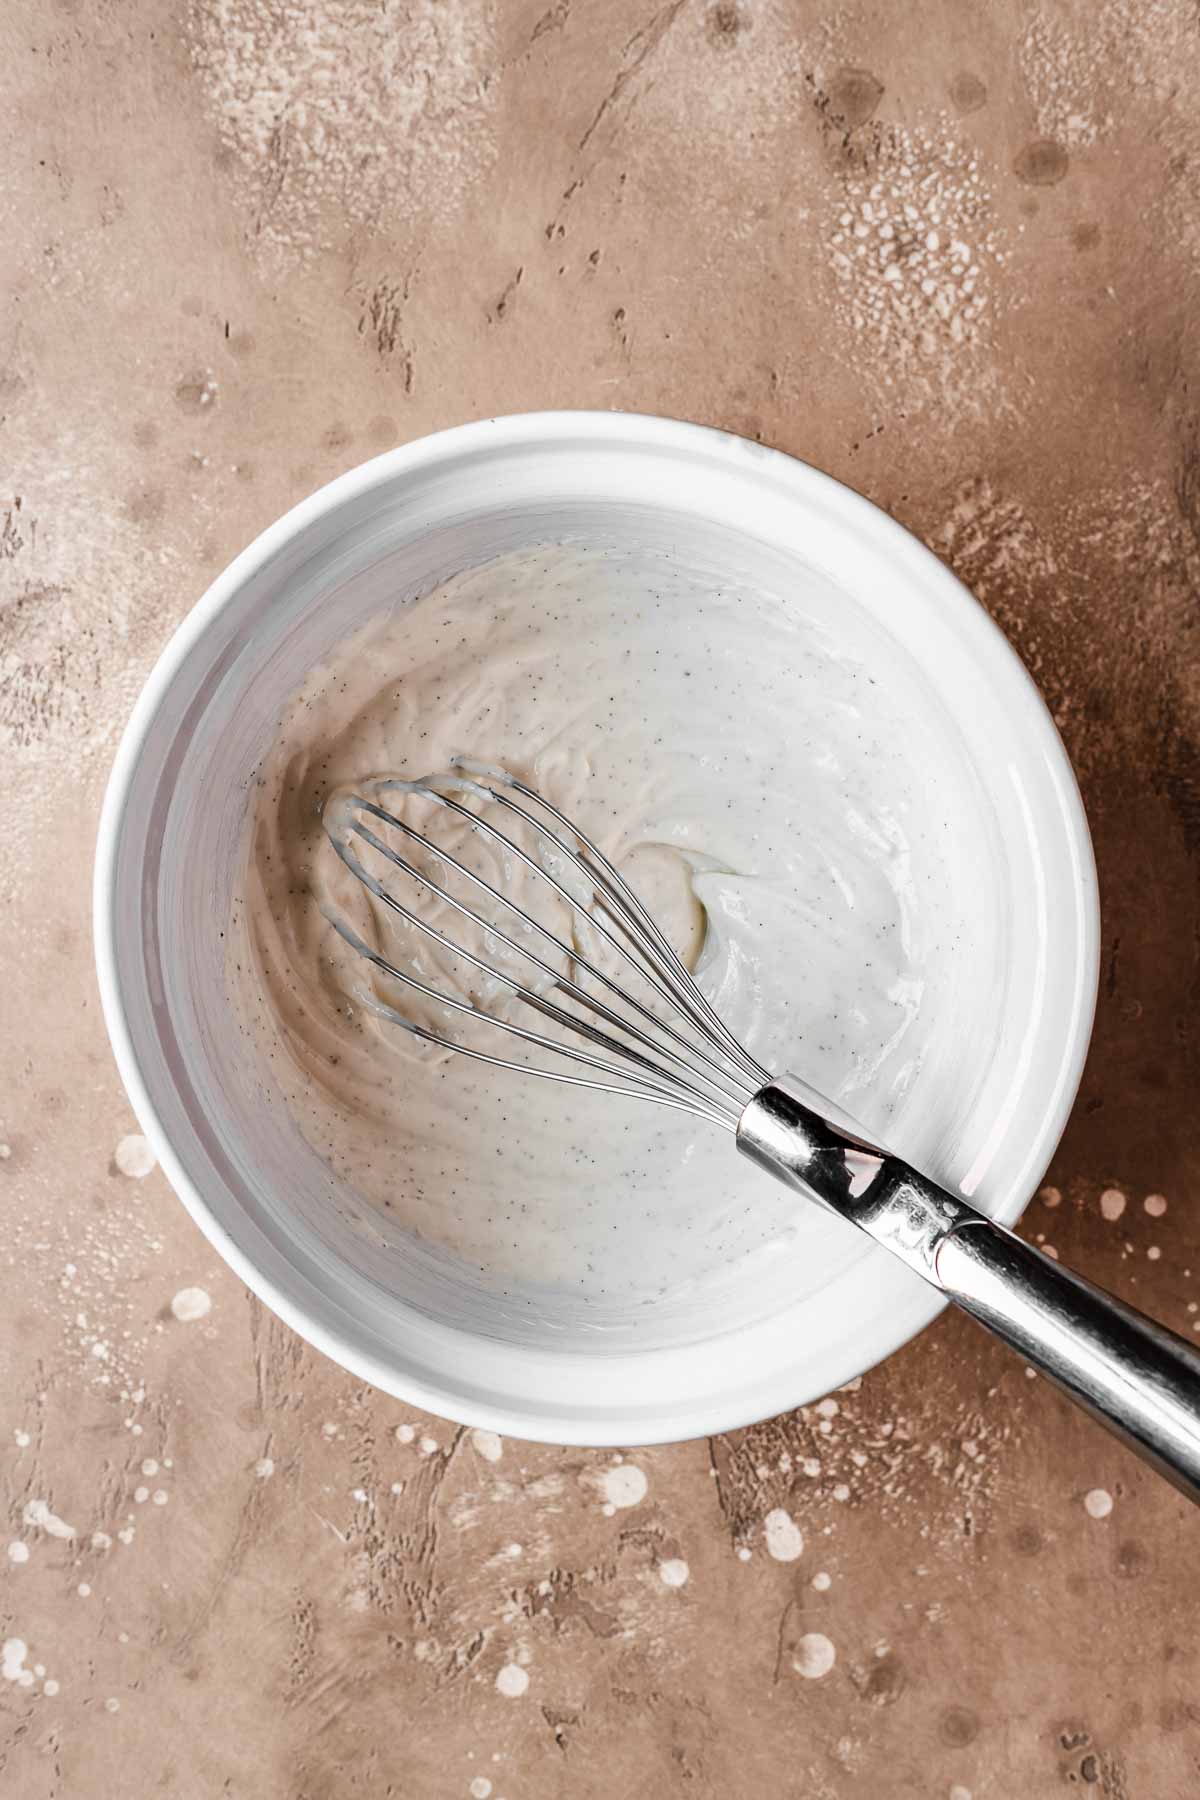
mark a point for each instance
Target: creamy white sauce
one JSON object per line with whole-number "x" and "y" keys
{"x": 770, "y": 775}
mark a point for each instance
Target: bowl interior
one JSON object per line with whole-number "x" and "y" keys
{"x": 173, "y": 839}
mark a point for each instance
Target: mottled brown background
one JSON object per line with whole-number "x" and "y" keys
{"x": 244, "y": 244}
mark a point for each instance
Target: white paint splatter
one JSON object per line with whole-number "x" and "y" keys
{"x": 785, "y": 1540}
{"x": 1098, "y": 1503}
{"x": 828, "y": 1409}
{"x": 428, "y": 1446}
{"x": 264, "y": 1468}
{"x": 914, "y": 249}
{"x": 84, "y": 1590}
{"x": 1112, "y": 1204}
{"x": 330, "y": 113}
{"x": 141, "y": 1495}
{"x": 674, "y": 1572}
{"x": 744, "y": 1553}
{"x": 112, "y": 1705}
{"x": 101, "y": 1540}
{"x": 50, "y": 1687}
{"x": 22, "y": 1439}
{"x": 190, "y": 1304}
{"x": 512, "y": 1681}
{"x": 405, "y": 1434}
{"x": 958, "y": 1792}
{"x": 1050, "y": 1196}
{"x": 480, "y": 1788}
{"x": 38, "y": 1513}
{"x": 1155, "y": 1205}
{"x": 18, "y": 1552}
{"x": 624, "y": 1485}
{"x": 489, "y": 1444}
{"x": 12, "y": 1662}
{"x": 160, "y": 1496}
{"x": 822, "y": 1582}
{"x": 814, "y": 1657}
{"x": 134, "y": 1157}
{"x": 1154, "y": 1252}
{"x": 150, "y": 1466}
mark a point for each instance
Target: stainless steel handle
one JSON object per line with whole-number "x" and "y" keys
{"x": 1139, "y": 1379}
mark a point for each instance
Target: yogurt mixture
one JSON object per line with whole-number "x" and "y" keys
{"x": 781, "y": 800}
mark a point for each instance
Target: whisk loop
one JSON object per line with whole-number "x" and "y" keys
{"x": 657, "y": 1037}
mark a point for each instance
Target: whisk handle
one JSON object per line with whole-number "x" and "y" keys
{"x": 1132, "y": 1374}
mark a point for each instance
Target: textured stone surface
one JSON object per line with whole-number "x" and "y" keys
{"x": 244, "y": 244}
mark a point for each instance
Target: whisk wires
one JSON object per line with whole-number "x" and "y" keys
{"x": 663, "y": 1043}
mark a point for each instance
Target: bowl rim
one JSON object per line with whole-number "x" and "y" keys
{"x": 508, "y": 432}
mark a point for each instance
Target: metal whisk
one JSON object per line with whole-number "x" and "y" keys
{"x": 629, "y": 1018}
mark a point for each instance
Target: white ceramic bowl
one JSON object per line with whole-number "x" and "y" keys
{"x": 171, "y": 832}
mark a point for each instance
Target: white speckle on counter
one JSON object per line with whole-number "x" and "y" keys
{"x": 190, "y": 1304}
{"x": 22, "y": 1439}
{"x": 480, "y": 1788}
{"x": 1154, "y": 1252}
{"x": 12, "y": 1662}
{"x": 141, "y": 1495}
{"x": 958, "y": 1792}
{"x": 1155, "y": 1205}
{"x": 785, "y": 1540}
{"x": 1112, "y": 1204}
{"x": 36, "y": 1512}
{"x": 84, "y": 1590}
{"x": 150, "y": 1466}
{"x": 264, "y": 1468}
{"x": 674, "y": 1572}
{"x": 134, "y": 1157}
{"x": 405, "y": 1434}
{"x": 821, "y": 1581}
{"x": 101, "y": 1540}
{"x": 815, "y": 1656}
{"x": 112, "y": 1705}
{"x": 489, "y": 1445}
{"x": 744, "y": 1553}
{"x": 18, "y": 1552}
{"x": 512, "y": 1681}
{"x": 50, "y": 1687}
{"x": 1098, "y": 1503}
{"x": 624, "y": 1485}
{"x": 160, "y": 1496}
{"x": 428, "y": 1446}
